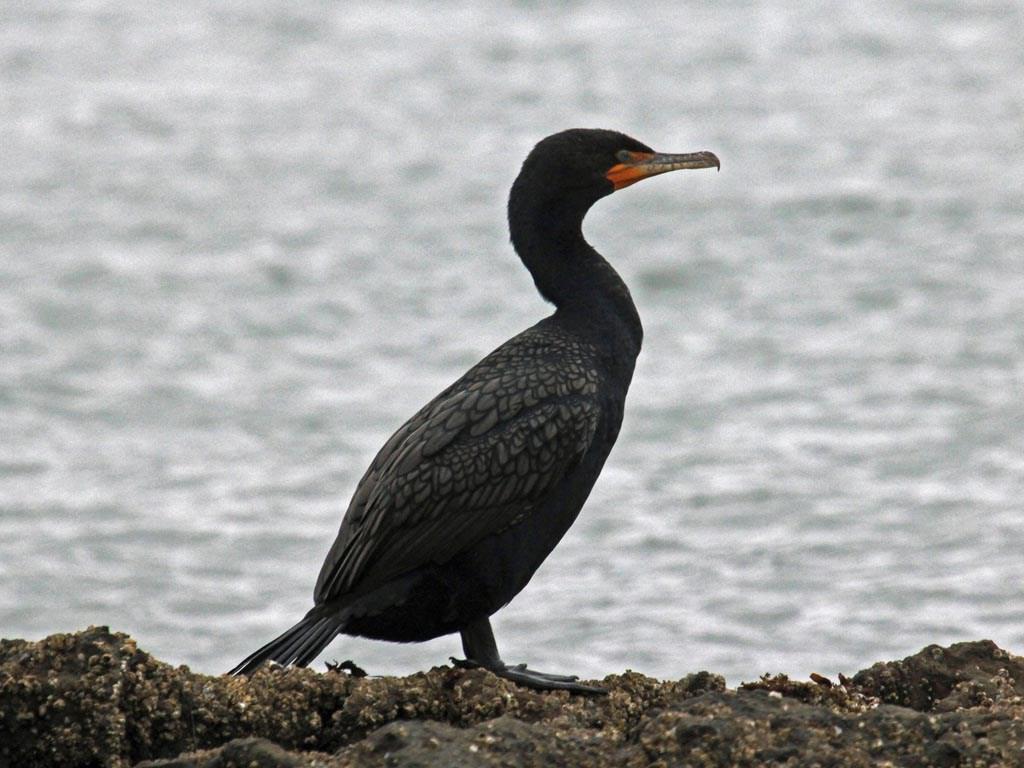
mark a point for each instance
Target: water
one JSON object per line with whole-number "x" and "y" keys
{"x": 242, "y": 242}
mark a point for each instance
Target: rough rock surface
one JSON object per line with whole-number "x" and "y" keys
{"x": 94, "y": 699}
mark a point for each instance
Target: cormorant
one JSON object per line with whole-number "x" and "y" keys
{"x": 468, "y": 497}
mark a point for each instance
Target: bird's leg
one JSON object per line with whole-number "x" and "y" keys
{"x": 481, "y": 651}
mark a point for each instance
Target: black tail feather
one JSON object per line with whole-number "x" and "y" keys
{"x": 298, "y": 645}
{"x": 311, "y": 649}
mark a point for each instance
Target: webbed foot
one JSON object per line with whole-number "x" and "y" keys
{"x": 531, "y": 678}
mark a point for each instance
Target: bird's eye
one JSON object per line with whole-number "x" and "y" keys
{"x": 624, "y": 156}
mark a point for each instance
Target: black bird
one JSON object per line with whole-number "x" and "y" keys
{"x": 468, "y": 497}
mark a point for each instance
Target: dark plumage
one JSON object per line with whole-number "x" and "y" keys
{"x": 468, "y": 497}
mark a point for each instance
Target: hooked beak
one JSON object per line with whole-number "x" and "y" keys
{"x": 644, "y": 164}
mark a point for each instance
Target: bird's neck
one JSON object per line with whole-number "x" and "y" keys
{"x": 587, "y": 291}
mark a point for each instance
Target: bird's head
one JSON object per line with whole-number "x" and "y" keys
{"x": 585, "y": 164}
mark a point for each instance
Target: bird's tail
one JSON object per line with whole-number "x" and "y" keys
{"x": 298, "y": 645}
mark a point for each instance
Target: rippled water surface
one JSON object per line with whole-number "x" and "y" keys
{"x": 241, "y": 242}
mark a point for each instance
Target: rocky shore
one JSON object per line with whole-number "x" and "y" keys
{"x": 92, "y": 698}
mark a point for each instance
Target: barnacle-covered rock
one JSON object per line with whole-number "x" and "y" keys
{"x": 92, "y": 698}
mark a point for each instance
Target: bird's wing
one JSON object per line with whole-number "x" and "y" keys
{"x": 471, "y": 463}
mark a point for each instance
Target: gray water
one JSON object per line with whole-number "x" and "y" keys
{"x": 241, "y": 242}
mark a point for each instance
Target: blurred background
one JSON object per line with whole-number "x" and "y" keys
{"x": 241, "y": 242}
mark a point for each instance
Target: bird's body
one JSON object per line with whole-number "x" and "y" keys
{"x": 478, "y": 487}
{"x": 466, "y": 500}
